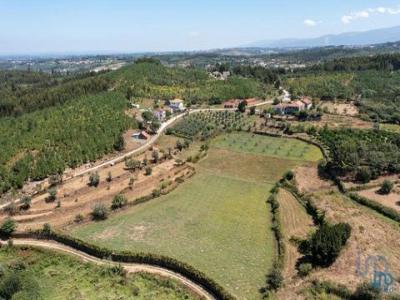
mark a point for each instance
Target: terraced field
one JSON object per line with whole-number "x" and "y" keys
{"x": 218, "y": 221}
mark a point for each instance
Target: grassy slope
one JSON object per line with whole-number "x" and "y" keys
{"x": 76, "y": 280}
{"x": 217, "y": 221}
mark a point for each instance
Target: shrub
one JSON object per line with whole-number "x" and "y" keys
{"x": 46, "y": 229}
{"x": 94, "y": 179}
{"x": 100, "y": 212}
{"x": 305, "y": 269}
{"x": 289, "y": 175}
{"x": 275, "y": 278}
{"x": 78, "y": 218}
{"x": 155, "y": 155}
{"x": 366, "y": 291}
{"x": 386, "y": 188}
{"x": 109, "y": 177}
{"x": 11, "y": 208}
{"x": 363, "y": 175}
{"x": 55, "y": 179}
{"x": 148, "y": 171}
{"x": 132, "y": 164}
{"x": 327, "y": 242}
{"x": 156, "y": 193}
{"x": 8, "y": 227}
{"x": 118, "y": 201}
{"x": 26, "y": 202}
{"x": 131, "y": 182}
{"x": 52, "y": 194}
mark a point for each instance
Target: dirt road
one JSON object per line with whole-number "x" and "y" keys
{"x": 130, "y": 268}
{"x": 145, "y": 146}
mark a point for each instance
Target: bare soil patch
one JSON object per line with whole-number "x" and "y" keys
{"x": 347, "y": 109}
{"x": 308, "y": 180}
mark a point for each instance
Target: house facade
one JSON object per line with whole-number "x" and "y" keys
{"x": 177, "y": 105}
{"x": 233, "y": 103}
{"x": 143, "y": 135}
{"x": 289, "y": 108}
{"x": 307, "y": 102}
{"x": 160, "y": 114}
{"x": 251, "y": 101}
{"x": 293, "y": 107}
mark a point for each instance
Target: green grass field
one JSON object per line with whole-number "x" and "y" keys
{"x": 218, "y": 221}
{"x": 59, "y": 277}
{"x": 270, "y": 146}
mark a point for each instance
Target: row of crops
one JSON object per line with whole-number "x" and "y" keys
{"x": 206, "y": 124}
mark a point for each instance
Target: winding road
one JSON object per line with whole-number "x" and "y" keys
{"x": 130, "y": 268}
{"x": 145, "y": 146}
{"x": 155, "y": 137}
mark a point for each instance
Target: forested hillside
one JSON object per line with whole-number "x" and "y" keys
{"x": 48, "y": 122}
{"x": 45, "y": 142}
{"x": 150, "y": 79}
{"x": 25, "y": 91}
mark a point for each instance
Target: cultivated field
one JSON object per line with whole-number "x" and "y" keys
{"x": 218, "y": 221}
{"x": 270, "y": 146}
{"x": 77, "y": 280}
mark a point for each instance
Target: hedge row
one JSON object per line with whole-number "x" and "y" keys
{"x": 274, "y": 277}
{"x": 276, "y": 223}
{"x": 172, "y": 264}
{"x": 384, "y": 210}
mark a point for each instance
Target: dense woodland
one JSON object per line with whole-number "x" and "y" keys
{"x": 45, "y": 142}
{"x": 365, "y": 154}
{"x": 150, "y": 79}
{"x": 25, "y": 91}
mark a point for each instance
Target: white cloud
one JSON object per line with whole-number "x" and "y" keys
{"x": 364, "y": 14}
{"x": 393, "y": 11}
{"x": 310, "y": 23}
{"x": 194, "y": 34}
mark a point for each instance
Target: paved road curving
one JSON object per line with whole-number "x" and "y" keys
{"x": 155, "y": 137}
{"x": 145, "y": 146}
{"x": 129, "y": 267}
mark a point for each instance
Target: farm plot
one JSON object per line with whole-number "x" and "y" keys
{"x": 218, "y": 221}
{"x": 41, "y": 271}
{"x": 270, "y": 146}
{"x": 204, "y": 124}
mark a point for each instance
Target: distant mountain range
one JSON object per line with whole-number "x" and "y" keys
{"x": 376, "y": 36}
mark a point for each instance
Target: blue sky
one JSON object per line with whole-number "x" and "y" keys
{"x": 62, "y": 26}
